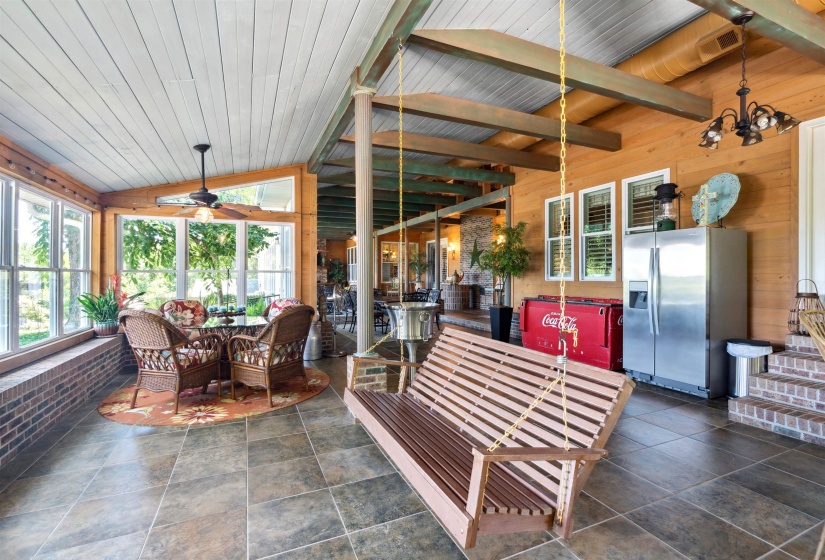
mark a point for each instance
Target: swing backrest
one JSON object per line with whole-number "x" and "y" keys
{"x": 482, "y": 386}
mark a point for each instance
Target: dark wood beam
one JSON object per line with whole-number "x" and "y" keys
{"x": 349, "y": 192}
{"x": 350, "y": 203}
{"x": 440, "y": 170}
{"x": 401, "y": 19}
{"x": 327, "y": 211}
{"x": 466, "y": 150}
{"x": 488, "y": 116}
{"x": 783, "y": 21}
{"x": 384, "y": 183}
{"x": 531, "y": 59}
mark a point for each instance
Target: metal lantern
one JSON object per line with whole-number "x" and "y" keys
{"x": 804, "y": 301}
{"x": 667, "y": 215}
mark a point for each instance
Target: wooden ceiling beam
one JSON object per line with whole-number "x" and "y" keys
{"x": 465, "y": 150}
{"x": 390, "y": 196}
{"x": 392, "y": 205}
{"x": 400, "y": 20}
{"x": 384, "y": 183}
{"x": 538, "y": 61}
{"x": 461, "y": 111}
{"x": 783, "y": 21}
{"x": 440, "y": 170}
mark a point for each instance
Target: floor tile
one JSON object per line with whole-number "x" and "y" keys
{"x": 778, "y": 555}
{"x": 71, "y": 459}
{"x": 495, "y": 547}
{"x": 703, "y": 456}
{"x": 804, "y": 546}
{"x": 706, "y": 414}
{"x": 277, "y": 449}
{"x": 644, "y": 432}
{"x": 48, "y": 439}
{"x": 351, "y": 465}
{"x": 22, "y": 535}
{"x": 552, "y": 550}
{"x": 32, "y": 494}
{"x": 131, "y": 449}
{"x": 337, "y": 439}
{"x": 676, "y": 423}
{"x": 220, "y": 435}
{"x": 201, "y": 497}
{"x": 375, "y": 500}
{"x": 84, "y": 435}
{"x": 662, "y": 470}
{"x": 697, "y": 533}
{"x": 588, "y": 511}
{"x": 326, "y": 399}
{"x": 782, "y": 487}
{"x": 765, "y": 435}
{"x": 800, "y": 464}
{"x": 621, "y": 490}
{"x": 333, "y": 549}
{"x": 327, "y": 418}
{"x": 127, "y": 547}
{"x": 619, "y": 539}
{"x": 274, "y": 426}
{"x": 139, "y": 430}
{"x": 418, "y": 536}
{"x": 812, "y": 449}
{"x": 757, "y": 514}
{"x": 619, "y": 445}
{"x": 644, "y": 402}
{"x": 209, "y": 462}
{"x": 284, "y": 479}
{"x": 128, "y": 477}
{"x": 16, "y": 467}
{"x": 745, "y": 446}
{"x": 220, "y": 536}
{"x": 282, "y": 525}
{"x": 105, "y": 518}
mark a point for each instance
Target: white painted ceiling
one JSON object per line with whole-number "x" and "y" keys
{"x": 115, "y": 92}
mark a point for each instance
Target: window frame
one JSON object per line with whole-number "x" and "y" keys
{"x": 582, "y": 235}
{"x": 352, "y": 265}
{"x": 547, "y": 239}
{"x": 664, "y": 174}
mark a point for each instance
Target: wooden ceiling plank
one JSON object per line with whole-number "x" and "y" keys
{"x": 384, "y": 183}
{"x": 466, "y": 150}
{"x": 532, "y": 59}
{"x": 401, "y": 19}
{"x": 461, "y": 111}
{"x": 783, "y": 21}
{"x": 383, "y": 163}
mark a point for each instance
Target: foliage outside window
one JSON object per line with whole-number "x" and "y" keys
{"x": 637, "y": 198}
{"x": 596, "y": 218}
{"x": 556, "y": 246}
{"x": 44, "y": 266}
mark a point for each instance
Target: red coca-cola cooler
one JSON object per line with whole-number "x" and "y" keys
{"x": 599, "y": 322}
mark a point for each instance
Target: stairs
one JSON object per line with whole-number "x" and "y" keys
{"x": 790, "y": 398}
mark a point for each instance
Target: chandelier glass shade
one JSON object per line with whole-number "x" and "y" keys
{"x": 752, "y": 118}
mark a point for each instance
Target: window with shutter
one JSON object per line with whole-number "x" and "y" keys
{"x": 352, "y": 266}
{"x": 556, "y": 246}
{"x": 638, "y": 193}
{"x": 596, "y": 219}
{"x": 445, "y": 263}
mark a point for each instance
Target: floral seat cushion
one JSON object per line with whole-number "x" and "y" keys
{"x": 257, "y": 356}
{"x": 187, "y": 357}
{"x": 184, "y": 312}
{"x": 278, "y": 306}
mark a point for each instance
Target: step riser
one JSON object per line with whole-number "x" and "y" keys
{"x": 789, "y": 391}
{"x": 779, "y": 418}
{"x": 801, "y": 344}
{"x": 778, "y": 429}
{"x": 797, "y": 366}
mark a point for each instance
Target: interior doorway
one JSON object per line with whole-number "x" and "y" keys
{"x": 812, "y": 202}
{"x": 431, "y": 256}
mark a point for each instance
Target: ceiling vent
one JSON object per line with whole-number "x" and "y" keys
{"x": 718, "y": 43}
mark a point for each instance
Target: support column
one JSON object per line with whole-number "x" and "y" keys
{"x": 437, "y": 252}
{"x": 363, "y": 214}
{"x": 508, "y": 221}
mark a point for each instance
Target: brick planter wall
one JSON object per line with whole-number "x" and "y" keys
{"x": 33, "y": 398}
{"x": 476, "y": 228}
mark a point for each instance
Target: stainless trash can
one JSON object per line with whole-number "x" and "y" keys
{"x": 314, "y": 347}
{"x": 746, "y": 357}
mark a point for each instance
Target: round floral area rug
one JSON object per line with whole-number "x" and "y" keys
{"x": 157, "y": 409}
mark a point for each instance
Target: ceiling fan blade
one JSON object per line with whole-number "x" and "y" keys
{"x": 228, "y": 213}
{"x": 187, "y": 211}
{"x": 244, "y": 207}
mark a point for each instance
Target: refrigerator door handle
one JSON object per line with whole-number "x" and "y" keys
{"x": 650, "y": 270}
{"x": 655, "y": 289}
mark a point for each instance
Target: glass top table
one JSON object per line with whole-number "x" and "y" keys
{"x": 241, "y": 321}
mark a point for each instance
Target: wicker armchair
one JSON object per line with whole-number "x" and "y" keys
{"x": 276, "y": 354}
{"x": 168, "y": 360}
{"x": 184, "y": 312}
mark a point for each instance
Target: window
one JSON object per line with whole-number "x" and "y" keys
{"x": 556, "y": 246}
{"x": 352, "y": 265}
{"x": 218, "y": 263}
{"x": 596, "y": 219}
{"x": 274, "y": 196}
{"x": 389, "y": 262}
{"x": 637, "y": 198}
{"x": 45, "y": 264}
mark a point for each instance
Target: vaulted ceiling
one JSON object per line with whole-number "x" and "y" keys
{"x": 116, "y": 92}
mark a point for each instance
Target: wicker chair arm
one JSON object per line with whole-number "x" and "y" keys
{"x": 208, "y": 347}
{"x": 247, "y": 346}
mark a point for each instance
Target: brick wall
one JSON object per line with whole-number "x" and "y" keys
{"x": 322, "y": 270}
{"x": 33, "y": 398}
{"x": 477, "y": 228}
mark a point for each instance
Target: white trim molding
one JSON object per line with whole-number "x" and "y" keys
{"x": 812, "y": 202}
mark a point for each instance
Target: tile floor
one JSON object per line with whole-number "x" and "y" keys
{"x": 306, "y": 483}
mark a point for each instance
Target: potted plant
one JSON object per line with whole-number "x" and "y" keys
{"x": 419, "y": 266}
{"x": 104, "y": 308}
{"x": 507, "y": 258}
{"x": 335, "y": 272}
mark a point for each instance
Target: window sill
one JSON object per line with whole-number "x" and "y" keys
{"x": 26, "y": 357}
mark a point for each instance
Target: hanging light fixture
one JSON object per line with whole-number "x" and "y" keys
{"x": 204, "y": 215}
{"x": 752, "y": 117}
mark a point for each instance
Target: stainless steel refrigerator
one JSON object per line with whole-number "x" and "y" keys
{"x": 685, "y": 294}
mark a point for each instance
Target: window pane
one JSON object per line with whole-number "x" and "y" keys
{"x": 211, "y": 246}
{"x": 275, "y": 196}
{"x": 263, "y": 287}
{"x": 5, "y": 309}
{"x": 35, "y": 306}
{"x": 75, "y": 242}
{"x": 268, "y": 247}
{"x": 33, "y": 230}
{"x": 213, "y": 288}
{"x": 556, "y": 251}
{"x": 159, "y": 287}
{"x": 597, "y": 212}
{"x": 598, "y": 255}
{"x": 148, "y": 244}
{"x": 74, "y": 284}
{"x": 640, "y": 202}
{"x": 554, "y": 227}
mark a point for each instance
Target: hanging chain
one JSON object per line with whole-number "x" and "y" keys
{"x": 402, "y": 246}
{"x": 744, "y": 81}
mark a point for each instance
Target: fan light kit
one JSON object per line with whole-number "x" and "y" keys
{"x": 752, "y": 118}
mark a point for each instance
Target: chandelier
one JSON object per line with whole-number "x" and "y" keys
{"x": 752, "y": 118}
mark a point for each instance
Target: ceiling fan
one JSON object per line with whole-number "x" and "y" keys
{"x": 204, "y": 203}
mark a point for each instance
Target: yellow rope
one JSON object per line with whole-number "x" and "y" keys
{"x": 402, "y": 247}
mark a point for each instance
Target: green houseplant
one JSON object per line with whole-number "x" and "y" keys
{"x": 335, "y": 272}
{"x": 507, "y": 258}
{"x": 419, "y": 266}
{"x": 104, "y": 308}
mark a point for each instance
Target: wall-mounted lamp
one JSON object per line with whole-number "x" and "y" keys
{"x": 451, "y": 249}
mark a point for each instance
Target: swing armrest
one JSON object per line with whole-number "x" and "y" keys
{"x": 507, "y": 454}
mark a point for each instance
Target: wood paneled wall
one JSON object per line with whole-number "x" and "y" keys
{"x": 650, "y": 141}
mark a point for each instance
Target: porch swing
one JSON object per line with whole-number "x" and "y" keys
{"x": 480, "y": 432}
